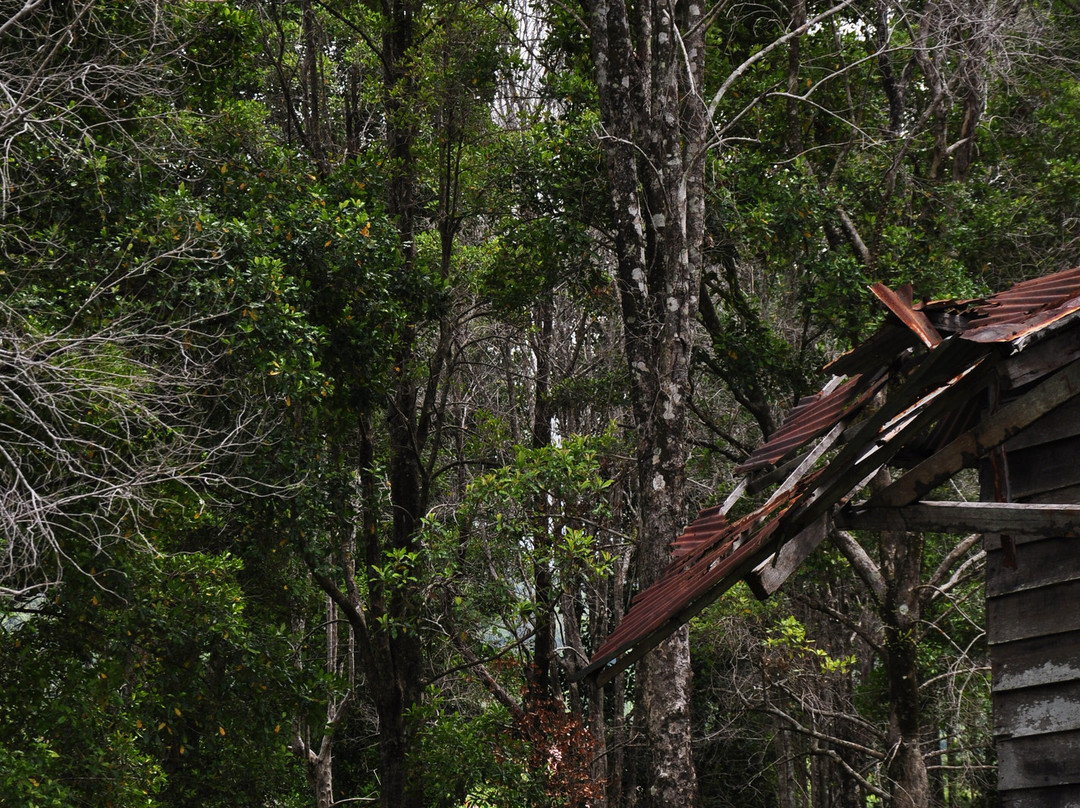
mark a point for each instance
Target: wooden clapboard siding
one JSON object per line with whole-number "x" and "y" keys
{"x": 1041, "y": 359}
{"x": 1033, "y": 624}
{"x": 1064, "y": 422}
{"x": 1038, "y": 710}
{"x": 1033, "y": 627}
{"x": 1039, "y": 761}
{"x": 1034, "y": 612}
{"x": 1068, "y": 494}
{"x": 1048, "y": 467}
{"x": 1039, "y": 562}
{"x": 1036, "y": 661}
{"x": 1058, "y": 796}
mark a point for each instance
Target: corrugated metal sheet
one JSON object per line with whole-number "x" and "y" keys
{"x": 708, "y": 524}
{"x": 812, "y": 416}
{"x": 1026, "y": 308}
{"x": 687, "y": 585}
{"x": 931, "y": 405}
{"x": 900, "y": 305}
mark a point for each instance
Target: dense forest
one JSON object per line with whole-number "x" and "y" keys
{"x": 360, "y": 360}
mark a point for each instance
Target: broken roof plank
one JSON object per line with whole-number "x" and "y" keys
{"x": 934, "y": 372}
{"x": 770, "y": 575}
{"x": 927, "y": 393}
{"x": 884, "y": 434}
{"x": 879, "y": 351}
{"x": 1013, "y": 518}
{"x": 977, "y": 442}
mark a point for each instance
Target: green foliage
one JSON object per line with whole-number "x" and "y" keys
{"x": 479, "y": 755}
{"x": 144, "y": 684}
{"x": 472, "y": 758}
{"x": 789, "y": 637}
{"x": 736, "y": 753}
{"x": 217, "y": 172}
{"x": 563, "y": 486}
{"x": 544, "y": 183}
{"x": 1019, "y": 214}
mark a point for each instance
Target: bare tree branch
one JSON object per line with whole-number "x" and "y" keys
{"x": 861, "y": 562}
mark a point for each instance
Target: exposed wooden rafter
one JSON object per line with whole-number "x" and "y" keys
{"x": 977, "y": 442}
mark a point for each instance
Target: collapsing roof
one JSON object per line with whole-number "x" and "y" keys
{"x": 962, "y": 378}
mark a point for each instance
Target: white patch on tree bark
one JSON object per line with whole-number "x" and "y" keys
{"x": 658, "y": 483}
{"x": 669, "y": 412}
{"x": 674, "y": 395}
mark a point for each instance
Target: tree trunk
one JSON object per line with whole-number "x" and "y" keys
{"x": 320, "y": 770}
{"x": 649, "y": 71}
{"x": 397, "y": 644}
{"x": 901, "y": 567}
{"x": 540, "y": 690}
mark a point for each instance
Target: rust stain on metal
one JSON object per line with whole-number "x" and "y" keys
{"x": 1026, "y": 308}
{"x": 686, "y": 583}
{"x": 900, "y": 305}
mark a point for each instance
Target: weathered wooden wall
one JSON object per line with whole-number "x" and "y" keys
{"x": 1033, "y": 624}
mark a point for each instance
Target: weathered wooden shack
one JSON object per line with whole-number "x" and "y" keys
{"x": 990, "y": 384}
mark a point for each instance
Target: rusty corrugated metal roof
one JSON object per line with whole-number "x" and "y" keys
{"x": 928, "y": 409}
{"x": 691, "y": 583}
{"x": 703, "y": 529}
{"x": 1026, "y": 308}
{"x": 812, "y": 416}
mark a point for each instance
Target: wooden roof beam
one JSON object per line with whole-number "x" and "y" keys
{"x": 771, "y": 574}
{"x": 977, "y": 442}
{"x": 1010, "y": 518}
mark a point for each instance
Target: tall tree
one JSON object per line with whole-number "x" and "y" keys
{"x": 650, "y": 72}
{"x": 430, "y": 69}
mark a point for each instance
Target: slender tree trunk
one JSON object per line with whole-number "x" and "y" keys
{"x": 320, "y": 770}
{"x": 540, "y": 690}
{"x": 398, "y": 649}
{"x": 318, "y": 756}
{"x": 901, "y": 567}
